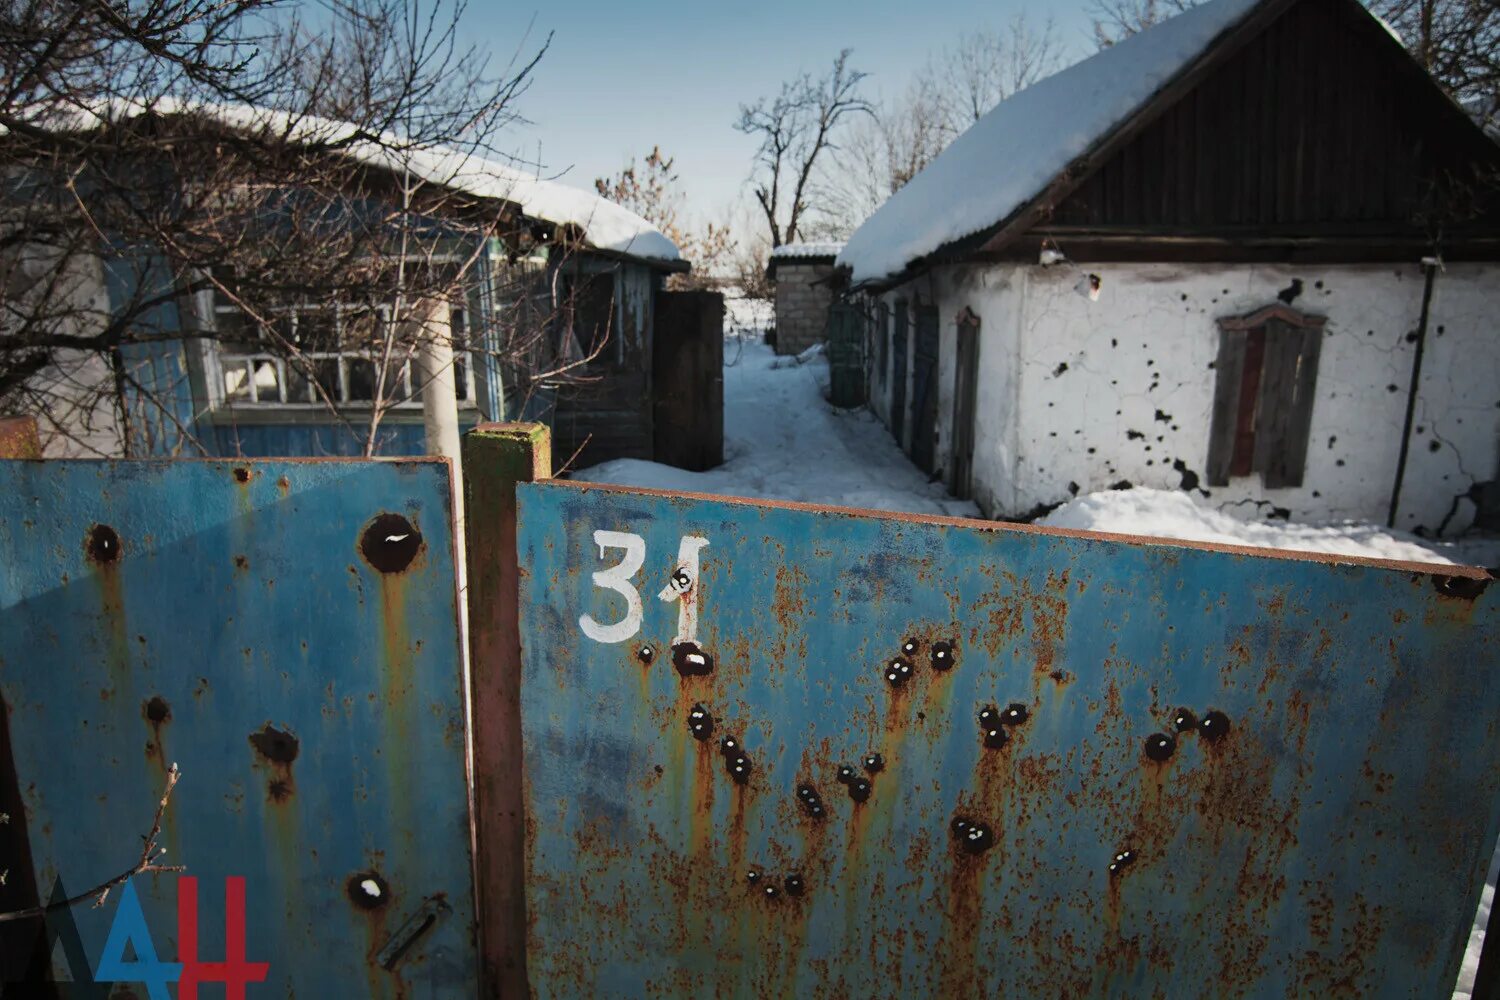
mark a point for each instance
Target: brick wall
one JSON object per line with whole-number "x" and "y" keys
{"x": 801, "y": 305}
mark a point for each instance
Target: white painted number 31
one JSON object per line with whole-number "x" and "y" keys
{"x": 617, "y": 578}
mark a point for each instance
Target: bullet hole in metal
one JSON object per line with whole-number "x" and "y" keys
{"x": 241, "y": 474}
{"x": 910, "y": 647}
{"x": 874, "y": 763}
{"x": 157, "y": 710}
{"x": 772, "y": 893}
{"x": 846, "y": 774}
{"x": 1184, "y": 720}
{"x": 989, "y": 717}
{"x": 103, "y": 545}
{"x": 1160, "y": 747}
{"x": 995, "y": 738}
{"x": 942, "y": 656}
{"x": 390, "y": 543}
{"x": 275, "y": 745}
{"x": 972, "y": 835}
{"x": 681, "y": 582}
{"x": 812, "y": 802}
{"x": 752, "y": 876}
{"x": 1214, "y": 727}
{"x": 700, "y": 723}
{"x": 739, "y": 768}
{"x": 795, "y": 885}
{"x": 368, "y": 891}
{"x": 859, "y": 789}
{"x": 646, "y": 654}
{"x": 729, "y": 747}
{"x": 1465, "y": 588}
{"x": 1121, "y": 861}
{"x": 1015, "y": 714}
{"x": 691, "y": 661}
{"x": 898, "y": 671}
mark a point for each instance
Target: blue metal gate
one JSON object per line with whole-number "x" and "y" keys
{"x": 284, "y": 631}
{"x": 776, "y": 750}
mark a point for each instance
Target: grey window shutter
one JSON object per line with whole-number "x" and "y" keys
{"x": 1299, "y": 387}
{"x": 1274, "y": 411}
{"x": 1272, "y": 434}
{"x": 1229, "y": 370}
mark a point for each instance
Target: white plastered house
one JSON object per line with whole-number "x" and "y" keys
{"x": 1251, "y": 252}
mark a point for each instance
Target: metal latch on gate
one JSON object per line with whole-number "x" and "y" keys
{"x": 406, "y": 935}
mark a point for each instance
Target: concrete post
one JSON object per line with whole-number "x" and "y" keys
{"x": 432, "y": 370}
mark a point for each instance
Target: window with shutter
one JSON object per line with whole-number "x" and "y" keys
{"x": 1267, "y": 373}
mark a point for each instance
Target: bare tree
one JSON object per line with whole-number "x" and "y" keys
{"x": 651, "y": 192}
{"x": 228, "y": 171}
{"x": 796, "y": 128}
{"x": 750, "y": 262}
{"x": 1458, "y": 42}
{"x": 1116, "y": 20}
{"x": 987, "y": 66}
{"x": 881, "y": 152}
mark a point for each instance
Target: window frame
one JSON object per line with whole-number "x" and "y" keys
{"x": 1265, "y": 389}
{"x": 223, "y": 357}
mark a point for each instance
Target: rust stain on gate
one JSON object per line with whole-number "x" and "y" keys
{"x": 983, "y": 757}
{"x": 286, "y": 631}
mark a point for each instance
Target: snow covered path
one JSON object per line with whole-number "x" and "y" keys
{"x": 784, "y": 441}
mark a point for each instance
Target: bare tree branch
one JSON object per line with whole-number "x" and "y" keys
{"x": 796, "y": 129}
{"x": 145, "y": 865}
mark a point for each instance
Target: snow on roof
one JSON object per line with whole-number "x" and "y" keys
{"x": 797, "y": 251}
{"x": 1012, "y": 153}
{"x": 605, "y": 225}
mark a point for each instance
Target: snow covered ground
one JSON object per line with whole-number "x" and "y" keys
{"x": 784, "y": 441}
{"x": 1174, "y": 514}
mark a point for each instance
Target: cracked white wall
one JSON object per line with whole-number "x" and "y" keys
{"x": 1075, "y": 392}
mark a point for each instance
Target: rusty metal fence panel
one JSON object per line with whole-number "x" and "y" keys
{"x": 1104, "y": 768}
{"x": 286, "y": 632}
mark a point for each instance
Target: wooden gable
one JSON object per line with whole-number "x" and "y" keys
{"x": 1317, "y": 131}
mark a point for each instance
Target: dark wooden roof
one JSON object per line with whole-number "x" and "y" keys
{"x": 1308, "y": 133}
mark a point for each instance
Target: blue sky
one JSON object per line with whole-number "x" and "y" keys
{"x": 620, "y": 78}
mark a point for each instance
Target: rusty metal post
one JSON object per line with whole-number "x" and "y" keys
{"x": 495, "y": 458}
{"x": 18, "y": 438}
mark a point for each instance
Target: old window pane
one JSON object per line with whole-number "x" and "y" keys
{"x": 267, "y": 381}
{"x": 321, "y": 353}
{"x": 361, "y": 380}
{"x": 326, "y": 371}
{"x": 236, "y": 381}
{"x": 317, "y": 330}
{"x": 298, "y": 385}
{"x": 233, "y": 328}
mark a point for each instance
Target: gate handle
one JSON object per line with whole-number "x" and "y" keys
{"x": 406, "y": 935}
